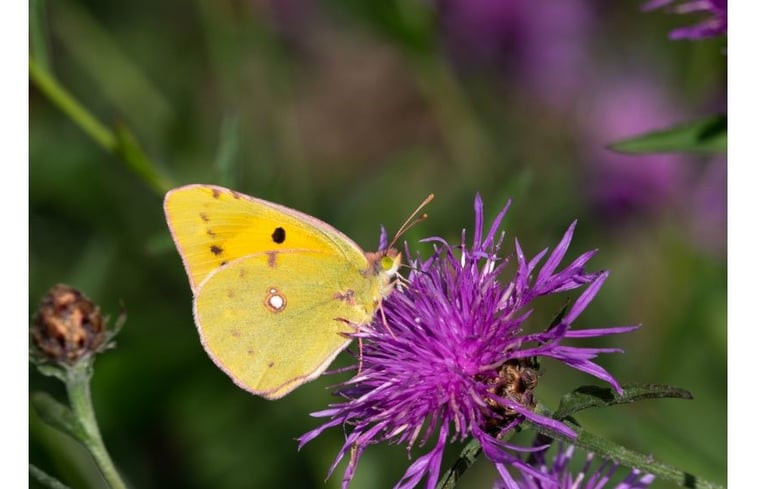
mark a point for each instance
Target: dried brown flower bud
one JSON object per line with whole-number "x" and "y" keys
{"x": 67, "y": 325}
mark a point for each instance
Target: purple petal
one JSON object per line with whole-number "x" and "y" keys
{"x": 495, "y": 225}
{"x": 426, "y": 464}
{"x": 557, "y": 255}
{"x": 536, "y": 418}
{"x": 478, "y": 207}
{"x": 591, "y": 333}
{"x": 583, "y": 301}
{"x": 382, "y": 239}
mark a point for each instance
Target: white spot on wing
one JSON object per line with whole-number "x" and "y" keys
{"x": 275, "y": 301}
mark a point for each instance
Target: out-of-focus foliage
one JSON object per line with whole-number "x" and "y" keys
{"x": 704, "y": 136}
{"x": 353, "y": 112}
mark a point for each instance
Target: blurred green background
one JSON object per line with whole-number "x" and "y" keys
{"x": 353, "y": 112}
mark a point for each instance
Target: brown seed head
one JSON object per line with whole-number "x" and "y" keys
{"x": 67, "y": 325}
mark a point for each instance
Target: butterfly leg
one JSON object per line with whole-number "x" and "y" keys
{"x": 383, "y": 320}
{"x": 400, "y": 282}
{"x": 359, "y": 342}
{"x": 360, "y": 356}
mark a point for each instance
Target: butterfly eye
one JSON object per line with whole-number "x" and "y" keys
{"x": 390, "y": 263}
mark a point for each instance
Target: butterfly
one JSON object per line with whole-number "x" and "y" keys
{"x": 276, "y": 291}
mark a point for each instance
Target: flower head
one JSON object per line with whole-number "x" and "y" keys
{"x": 561, "y": 476}
{"x": 68, "y": 330}
{"x": 67, "y": 326}
{"x": 449, "y": 355}
{"x": 715, "y": 25}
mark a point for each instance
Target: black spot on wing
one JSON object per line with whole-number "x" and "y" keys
{"x": 279, "y": 235}
{"x": 216, "y": 250}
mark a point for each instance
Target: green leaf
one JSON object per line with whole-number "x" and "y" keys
{"x": 57, "y": 415}
{"x": 630, "y": 458}
{"x": 114, "y": 330}
{"x": 467, "y": 457}
{"x": 591, "y": 396}
{"x": 709, "y": 135}
{"x": 46, "y": 368}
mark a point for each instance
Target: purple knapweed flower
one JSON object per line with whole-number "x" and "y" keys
{"x": 448, "y": 354}
{"x": 562, "y": 477}
{"x": 541, "y": 46}
{"x": 715, "y": 25}
{"x": 619, "y": 186}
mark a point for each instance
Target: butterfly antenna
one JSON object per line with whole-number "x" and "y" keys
{"x": 412, "y": 220}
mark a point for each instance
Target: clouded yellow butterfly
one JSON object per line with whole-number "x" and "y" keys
{"x": 275, "y": 290}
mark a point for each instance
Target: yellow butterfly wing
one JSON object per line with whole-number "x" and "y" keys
{"x": 213, "y": 226}
{"x": 276, "y": 332}
{"x": 274, "y": 289}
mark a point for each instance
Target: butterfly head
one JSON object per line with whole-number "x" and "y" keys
{"x": 385, "y": 264}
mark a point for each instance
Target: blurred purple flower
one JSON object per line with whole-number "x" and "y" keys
{"x": 708, "y": 207}
{"x": 561, "y": 477}
{"x": 543, "y": 45}
{"x": 621, "y": 185}
{"x": 451, "y": 356}
{"x": 715, "y": 25}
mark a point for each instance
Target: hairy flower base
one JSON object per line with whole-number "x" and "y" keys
{"x": 449, "y": 357}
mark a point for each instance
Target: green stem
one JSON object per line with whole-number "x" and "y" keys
{"x": 66, "y": 102}
{"x": 45, "y": 479}
{"x": 77, "y": 386}
{"x": 120, "y": 142}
